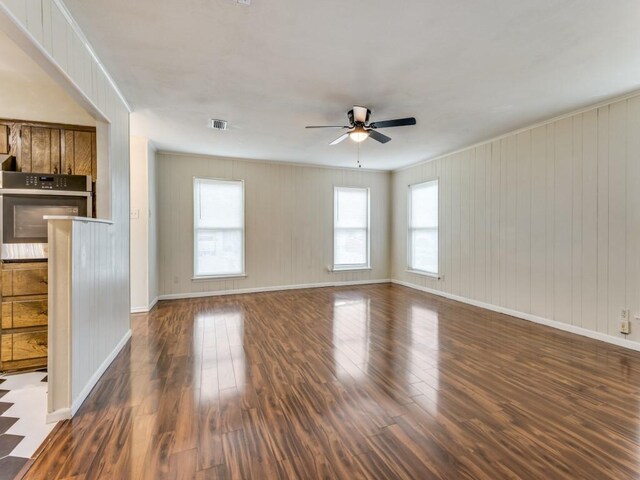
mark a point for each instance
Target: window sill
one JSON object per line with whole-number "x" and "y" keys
{"x": 348, "y": 269}
{"x": 218, "y": 277}
{"x": 436, "y": 276}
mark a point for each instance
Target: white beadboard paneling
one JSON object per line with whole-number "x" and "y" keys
{"x": 550, "y": 202}
{"x": 538, "y": 240}
{"x": 562, "y": 221}
{"x": 617, "y": 211}
{"x": 633, "y": 206}
{"x": 576, "y": 221}
{"x": 99, "y": 252}
{"x": 523, "y": 222}
{"x": 603, "y": 219}
{"x": 589, "y": 261}
{"x": 556, "y": 235}
{"x": 289, "y": 222}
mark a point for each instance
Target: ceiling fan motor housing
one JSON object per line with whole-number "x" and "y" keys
{"x": 356, "y": 116}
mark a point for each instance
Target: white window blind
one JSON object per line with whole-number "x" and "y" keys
{"x": 423, "y": 227}
{"x": 350, "y": 228}
{"x": 218, "y": 227}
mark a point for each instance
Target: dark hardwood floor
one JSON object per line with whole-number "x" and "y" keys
{"x": 376, "y": 382}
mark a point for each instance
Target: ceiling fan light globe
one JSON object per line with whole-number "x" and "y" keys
{"x": 358, "y": 136}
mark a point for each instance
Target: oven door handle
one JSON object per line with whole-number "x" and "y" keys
{"x": 46, "y": 193}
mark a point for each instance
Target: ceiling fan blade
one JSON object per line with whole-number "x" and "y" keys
{"x": 340, "y": 138}
{"x": 399, "y": 122}
{"x": 326, "y": 126}
{"x": 380, "y": 137}
{"x": 360, "y": 114}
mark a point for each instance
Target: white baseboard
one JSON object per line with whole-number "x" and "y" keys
{"x": 59, "y": 415}
{"x": 145, "y": 309}
{"x": 177, "y": 296}
{"x": 620, "y": 342}
{"x": 98, "y": 373}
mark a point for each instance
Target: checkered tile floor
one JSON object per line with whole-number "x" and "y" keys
{"x": 23, "y": 427}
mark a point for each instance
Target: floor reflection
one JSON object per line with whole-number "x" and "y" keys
{"x": 219, "y": 354}
{"x": 424, "y": 354}
{"x": 351, "y": 317}
{"x": 394, "y": 347}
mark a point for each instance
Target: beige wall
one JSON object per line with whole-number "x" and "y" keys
{"x": 28, "y": 93}
{"x": 144, "y": 226}
{"x": 545, "y": 222}
{"x": 289, "y": 217}
{"x": 99, "y": 252}
{"x": 139, "y": 230}
{"x": 153, "y": 253}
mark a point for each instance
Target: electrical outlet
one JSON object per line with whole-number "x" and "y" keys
{"x": 625, "y": 325}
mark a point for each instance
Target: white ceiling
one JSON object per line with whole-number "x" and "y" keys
{"x": 466, "y": 69}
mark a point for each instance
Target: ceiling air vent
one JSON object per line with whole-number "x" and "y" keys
{"x": 218, "y": 124}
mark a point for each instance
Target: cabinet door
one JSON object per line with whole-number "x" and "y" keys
{"x": 39, "y": 150}
{"x": 79, "y": 153}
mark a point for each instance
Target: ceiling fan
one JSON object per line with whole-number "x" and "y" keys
{"x": 359, "y": 128}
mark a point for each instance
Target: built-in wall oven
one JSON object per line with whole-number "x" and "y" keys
{"x": 26, "y": 198}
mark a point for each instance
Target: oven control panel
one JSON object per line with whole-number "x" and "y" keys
{"x": 43, "y": 181}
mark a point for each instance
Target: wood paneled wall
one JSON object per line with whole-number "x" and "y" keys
{"x": 100, "y": 302}
{"x": 289, "y": 222}
{"x": 544, "y": 222}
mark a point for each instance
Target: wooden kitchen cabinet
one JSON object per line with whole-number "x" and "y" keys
{"x": 24, "y": 333}
{"x": 39, "y": 150}
{"x": 79, "y": 153}
{"x": 50, "y": 148}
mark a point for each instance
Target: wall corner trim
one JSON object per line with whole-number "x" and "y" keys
{"x": 79, "y": 400}
{"x": 603, "y": 337}
{"x": 59, "y": 415}
{"x": 146, "y": 309}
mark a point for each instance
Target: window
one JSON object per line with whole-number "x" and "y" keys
{"x": 423, "y": 227}
{"x": 218, "y": 228}
{"x": 350, "y": 228}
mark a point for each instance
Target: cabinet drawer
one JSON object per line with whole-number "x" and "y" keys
{"x": 25, "y": 346}
{"x": 25, "y": 281}
{"x": 24, "y": 313}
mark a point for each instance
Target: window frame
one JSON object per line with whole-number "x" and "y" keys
{"x": 410, "y": 229}
{"x": 353, "y": 266}
{"x": 195, "y": 230}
